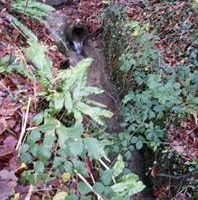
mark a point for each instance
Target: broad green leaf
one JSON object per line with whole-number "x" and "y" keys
{"x": 76, "y": 147}
{"x": 118, "y": 166}
{"x": 43, "y": 153}
{"x": 72, "y": 197}
{"x": 49, "y": 138}
{"x": 78, "y": 116}
{"x": 95, "y": 103}
{"x": 77, "y": 94}
{"x": 46, "y": 127}
{"x": 106, "y": 177}
{"x": 95, "y": 148}
{"x": 99, "y": 187}
{"x": 83, "y": 188}
{"x": 68, "y": 102}
{"x": 58, "y": 100}
{"x": 85, "y": 198}
{"x": 129, "y": 185}
{"x": 86, "y": 91}
{"x": 39, "y": 166}
{"x": 34, "y": 136}
{"x": 76, "y": 76}
{"x": 139, "y": 144}
{"x": 96, "y": 113}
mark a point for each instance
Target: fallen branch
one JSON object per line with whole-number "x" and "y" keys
{"x": 184, "y": 176}
{"x": 30, "y": 191}
{"x": 23, "y": 128}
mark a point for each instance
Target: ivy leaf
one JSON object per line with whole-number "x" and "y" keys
{"x": 66, "y": 177}
{"x": 74, "y": 132}
{"x": 118, "y": 166}
{"x": 26, "y": 157}
{"x": 68, "y": 166}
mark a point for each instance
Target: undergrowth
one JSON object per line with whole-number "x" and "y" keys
{"x": 155, "y": 95}
{"x": 51, "y": 150}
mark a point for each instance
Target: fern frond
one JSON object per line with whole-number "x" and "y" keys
{"x": 8, "y": 64}
{"x": 36, "y": 54}
{"x": 32, "y": 8}
{"x": 26, "y": 32}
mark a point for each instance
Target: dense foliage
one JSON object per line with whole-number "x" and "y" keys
{"x": 156, "y": 96}
{"x": 57, "y": 146}
{"x": 46, "y": 147}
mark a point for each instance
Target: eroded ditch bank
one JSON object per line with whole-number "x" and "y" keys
{"x": 99, "y": 75}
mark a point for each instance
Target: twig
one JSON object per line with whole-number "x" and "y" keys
{"x": 106, "y": 167}
{"x": 91, "y": 188}
{"x": 29, "y": 194}
{"x": 184, "y": 176}
{"x": 23, "y": 128}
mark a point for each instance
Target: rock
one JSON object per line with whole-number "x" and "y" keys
{"x": 54, "y": 3}
{"x": 56, "y": 24}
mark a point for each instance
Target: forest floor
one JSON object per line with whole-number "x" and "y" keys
{"x": 169, "y": 21}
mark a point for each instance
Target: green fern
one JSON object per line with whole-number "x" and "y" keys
{"x": 26, "y": 32}
{"x": 74, "y": 94}
{"x": 8, "y": 64}
{"x": 32, "y": 8}
{"x": 36, "y": 54}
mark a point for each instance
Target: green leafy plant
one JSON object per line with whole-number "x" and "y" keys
{"x": 32, "y": 8}
{"x": 154, "y": 94}
{"x": 52, "y": 148}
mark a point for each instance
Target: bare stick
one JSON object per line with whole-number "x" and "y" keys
{"x": 91, "y": 188}
{"x": 23, "y": 128}
{"x": 106, "y": 167}
{"x": 184, "y": 176}
{"x": 29, "y": 194}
